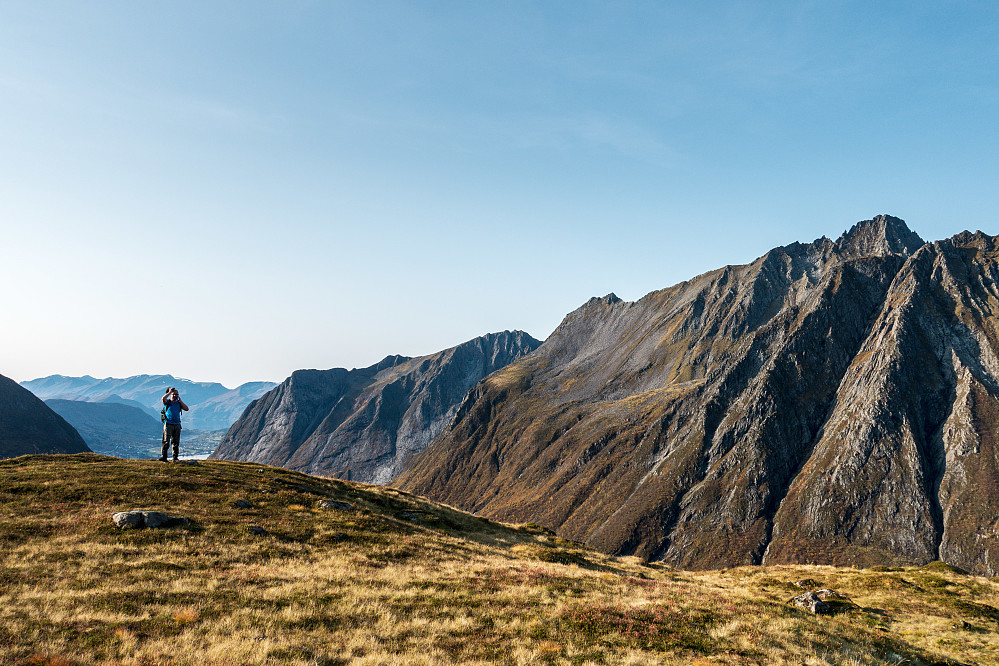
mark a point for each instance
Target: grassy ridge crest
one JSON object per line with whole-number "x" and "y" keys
{"x": 384, "y": 577}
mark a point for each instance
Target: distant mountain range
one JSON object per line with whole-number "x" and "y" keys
{"x": 213, "y": 406}
{"x": 28, "y": 426}
{"x": 366, "y": 424}
{"x": 835, "y": 402}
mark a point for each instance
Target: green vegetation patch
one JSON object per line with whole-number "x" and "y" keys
{"x": 650, "y": 628}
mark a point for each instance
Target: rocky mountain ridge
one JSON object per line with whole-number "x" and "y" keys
{"x": 831, "y": 402}
{"x": 366, "y": 424}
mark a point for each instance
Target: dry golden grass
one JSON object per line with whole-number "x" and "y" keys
{"x": 399, "y": 580}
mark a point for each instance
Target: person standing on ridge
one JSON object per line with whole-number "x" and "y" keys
{"x": 172, "y": 406}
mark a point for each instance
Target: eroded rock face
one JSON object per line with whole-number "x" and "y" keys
{"x": 364, "y": 425}
{"x": 834, "y": 402}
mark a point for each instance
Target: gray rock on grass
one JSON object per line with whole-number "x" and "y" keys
{"x": 129, "y": 520}
{"x": 810, "y": 602}
{"x": 138, "y": 519}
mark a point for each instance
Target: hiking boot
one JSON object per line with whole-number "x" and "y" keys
{"x": 176, "y": 459}
{"x": 163, "y": 459}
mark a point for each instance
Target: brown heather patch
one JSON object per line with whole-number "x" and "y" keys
{"x": 401, "y": 580}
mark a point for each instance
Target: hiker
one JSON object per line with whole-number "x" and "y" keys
{"x": 172, "y": 406}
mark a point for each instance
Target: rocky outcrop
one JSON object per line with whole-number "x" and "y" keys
{"x": 366, "y": 424}
{"x": 831, "y": 402}
{"x": 28, "y": 426}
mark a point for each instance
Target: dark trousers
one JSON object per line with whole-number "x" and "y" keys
{"x": 171, "y": 433}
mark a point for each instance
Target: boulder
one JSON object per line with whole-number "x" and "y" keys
{"x": 139, "y": 518}
{"x": 155, "y": 518}
{"x": 810, "y": 602}
{"x": 827, "y": 594}
{"x": 129, "y": 520}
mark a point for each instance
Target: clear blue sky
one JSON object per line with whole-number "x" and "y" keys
{"x": 230, "y": 191}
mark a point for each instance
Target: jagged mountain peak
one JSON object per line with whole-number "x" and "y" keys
{"x": 609, "y": 299}
{"x": 390, "y": 361}
{"x": 833, "y": 401}
{"x": 881, "y": 235}
{"x": 977, "y": 240}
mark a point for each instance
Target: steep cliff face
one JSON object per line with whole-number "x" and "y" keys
{"x": 829, "y": 402}
{"x": 908, "y": 458}
{"x": 365, "y": 424}
{"x": 28, "y": 426}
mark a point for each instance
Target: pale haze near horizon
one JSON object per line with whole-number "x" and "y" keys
{"x": 232, "y": 191}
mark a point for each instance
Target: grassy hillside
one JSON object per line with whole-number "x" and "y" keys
{"x": 393, "y": 579}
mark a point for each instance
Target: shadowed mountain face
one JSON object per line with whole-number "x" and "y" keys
{"x": 365, "y": 424}
{"x": 835, "y": 402}
{"x": 28, "y": 426}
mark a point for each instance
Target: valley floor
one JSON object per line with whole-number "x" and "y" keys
{"x": 342, "y": 573}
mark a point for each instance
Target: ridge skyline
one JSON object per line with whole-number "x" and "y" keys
{"x": 379, "y": 357}
{"x": 295, "y": 201}
{"x": 730, "y": 419}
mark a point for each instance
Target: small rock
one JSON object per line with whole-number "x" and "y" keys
{"x": 258, "y": 530}
{"x": 806, "y": 584}
{"x": 340, "y": 506}
{"x": 243, "y": 504}
{"x": 829, "y": 594}
{"x": 811, "y": 603}
{"x": 139, "y": 518}
{"x": 129, "y": 520}
{"x": 155, "y": 518}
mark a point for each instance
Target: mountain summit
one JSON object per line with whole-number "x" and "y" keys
{"x": 830, "y": 402}
{"x": 880, "y": 237}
